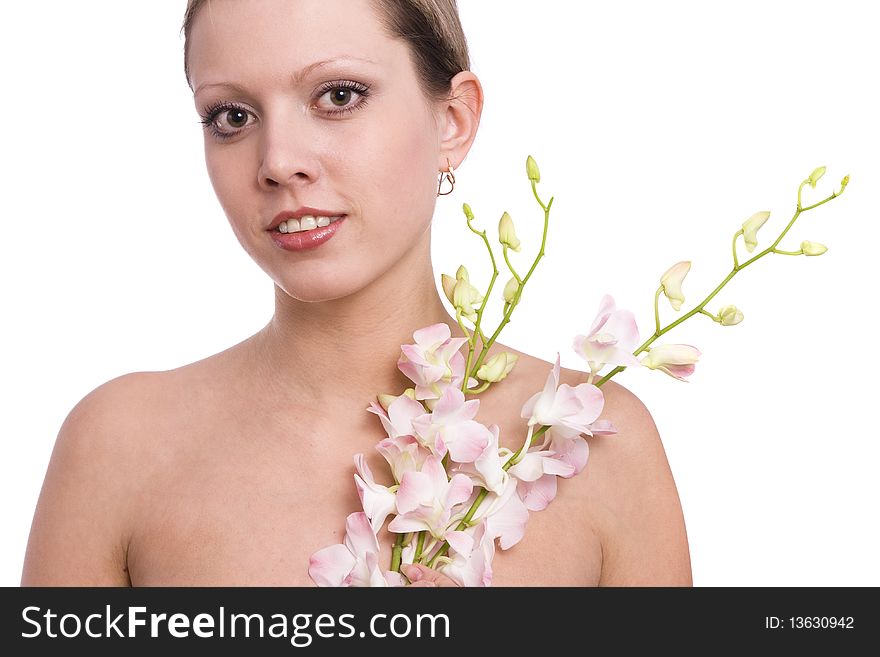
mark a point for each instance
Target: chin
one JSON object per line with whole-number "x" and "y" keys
{"x": 335, "y": 286}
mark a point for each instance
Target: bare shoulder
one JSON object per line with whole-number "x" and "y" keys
{"x": 95, "y": 475}
{"x": 638, "y": 514}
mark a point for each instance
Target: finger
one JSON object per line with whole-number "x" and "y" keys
{"x": 418, "y": 573}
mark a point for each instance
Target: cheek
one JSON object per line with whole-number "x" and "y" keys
{"x": 399, "y": 165}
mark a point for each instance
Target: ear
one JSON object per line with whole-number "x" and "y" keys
{"x": 459, "y": 119}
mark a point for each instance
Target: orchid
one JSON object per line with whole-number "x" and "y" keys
{"x": 611, "y": 338}
{"x": 458, "y": 492}
{"x": 450, "y": 427}
{"x": 563, "y": 405}
{"x": 434, "y": 361}
{"x": 426, "y": 499}
{"x": 671, "y": 283}
{"x": 353, "y": 562}
{"x": 676, "y": 360}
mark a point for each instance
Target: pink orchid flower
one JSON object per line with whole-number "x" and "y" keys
{"x": 537, "y": 495}
{"x": 505, "y": 515}
{"x": 403, "y": 453}
{"x": 397, "y": 420}
{"x": 575, "y": 408}
{"x": 488, "y": 468}
{"x": 451, "y": 427}
{"x": 426, "y": 499}
{"x": 611, "y": 339}
{"x": 377, "y": 501}
{"x": 354, "y": 562}
{"x": 434, "y": 361}
{"x": 676, "y": 360}
{"x": 470, "y": 560}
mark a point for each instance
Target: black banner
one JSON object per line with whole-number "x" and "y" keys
{"x": 271, "y": 621}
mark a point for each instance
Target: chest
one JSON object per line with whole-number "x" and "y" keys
{"x": 248, "y": 505}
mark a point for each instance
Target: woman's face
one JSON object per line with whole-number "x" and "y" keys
{"x": 353, "y": 136}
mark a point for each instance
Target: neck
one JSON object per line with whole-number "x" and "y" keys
{"x": 345, "y": 350}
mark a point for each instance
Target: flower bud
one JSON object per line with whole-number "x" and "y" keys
{"x": 498, "y": 367}
{"x": 532, "y": 169}
{"x": 813, "y": 248}
{"x": 676, "y": 360}
{"x": 844, "y": 182}
{"x": 464, "y": 296}
{"x": 814, "y": 177}
{"x": 385, "y": 400}
{"x": 510, "y": 290}
{"x": 730, "y": 315}
{"x": 672, "y": 280}
{"x": 467, "y": 211}
{"x": 448, "y": 286}
{"x": 750, "y": 229}
{"x": 507, "y": 234}
{"x": 462, "y": 274}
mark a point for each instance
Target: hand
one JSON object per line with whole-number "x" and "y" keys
{"x": 421, "y": 575}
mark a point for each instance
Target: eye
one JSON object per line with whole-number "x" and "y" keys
{"x": 339, "y": 94}
{"x": 232, "y": 115}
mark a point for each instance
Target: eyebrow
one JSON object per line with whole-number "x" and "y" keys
{"x": 295, "y": 79}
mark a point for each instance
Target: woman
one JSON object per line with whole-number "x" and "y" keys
{"x": 234, "y": 469}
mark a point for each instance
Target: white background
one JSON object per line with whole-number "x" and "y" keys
{"x": 658, "y": 127}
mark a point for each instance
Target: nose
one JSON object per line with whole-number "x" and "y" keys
{"x": 285, "y": 156}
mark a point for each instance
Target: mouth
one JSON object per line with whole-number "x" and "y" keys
{"x": 308, "y": 232}
{"x": 306, "y": 223}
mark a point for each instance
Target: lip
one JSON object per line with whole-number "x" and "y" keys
{"x": 306, "y": 239}
{"x": 300, "y": 213}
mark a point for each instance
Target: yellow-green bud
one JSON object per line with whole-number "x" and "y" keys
{"x": 467, "y": 211}
{"x": 844, "y": 182}
{"x": 464, "y": 297}
{"x": 507, "y": 234}
{"x": 462, "y": 274}
{"x": 730, "y": 315}
{"x": 498, "y": 367}
{"x": 750, "y": 229}
{"x": 814, "y": 177}
{"x": 532, "y": 169}
{"x": 385, "y": 400}
{"x": 510, "y": 290}
{"x": 448, "y": 286}
{"x": 813, "y": 248}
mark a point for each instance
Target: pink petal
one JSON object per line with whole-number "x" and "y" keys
{"x": 415, "y": 487}
{"x": 509, "y": 522}
{"x": 461, "y": 542}
{"x": 459, "y": 490}
{"x": 433, "y": 335}
{"x": 405, "y": 524}
{"x": 573, "y": 451}
{"x": 466, "y": 441}
{"x": 602, "y": 428}
{"x": 536, "y": 495}
{"x": 331, "y": 565}
{"x": 360, "y": 538}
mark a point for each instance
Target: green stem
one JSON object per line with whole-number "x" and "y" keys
{"x": 395, "y": 553}
{"x": 419, "y": 546}
{"x": 736, "y": 269}
{"x": 506, "y": 319}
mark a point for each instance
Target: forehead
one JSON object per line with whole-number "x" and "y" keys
{"x": 267, "y": 40}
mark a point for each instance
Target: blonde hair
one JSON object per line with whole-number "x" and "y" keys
{"x": 431, "y": 28}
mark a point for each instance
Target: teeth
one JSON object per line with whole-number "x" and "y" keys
{"x": 307, "y": 222}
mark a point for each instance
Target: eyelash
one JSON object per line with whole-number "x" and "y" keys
{"x": 210, "y": 113}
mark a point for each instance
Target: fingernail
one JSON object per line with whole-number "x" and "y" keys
{"x": 412, "y": 572}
